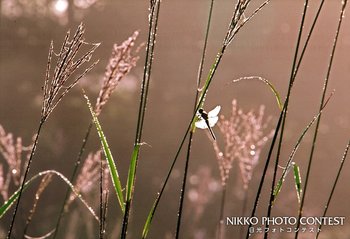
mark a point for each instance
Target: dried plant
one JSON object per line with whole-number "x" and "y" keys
{"x": 244, "y": 136}
{"x": 68, "y": 61}
{"x": 119, "y": 65}
{"x": 12, "y": 151}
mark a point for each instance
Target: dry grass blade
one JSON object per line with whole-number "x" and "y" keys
{"x": 119, "y": 65}
{"x": 67, "y": 62}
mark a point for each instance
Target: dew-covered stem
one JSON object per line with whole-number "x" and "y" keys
{"x": 323, "y": 99}
{"x": 9, "y": 233}
{"x": 334, "y": 185}
{"x": 190, "y": 140}
{"x": 151, "y": 41}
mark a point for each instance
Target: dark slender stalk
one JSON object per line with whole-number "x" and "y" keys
{"x": 152, "y": 32}
{"x": 183, "y": 188}
{"x": 72, "y": 178}
{"x": 41, "y": 123}
{"x": 334, "y": 185}
{"x": 199, "y": 77}
{"x": 308, "y": 38}
{"x": 256, "y": 202}
{"x": 325, "y": 86}
{"x": 222, "y": 208}
{"x": 294, "y": 77}
{"x": 280, "y": 122}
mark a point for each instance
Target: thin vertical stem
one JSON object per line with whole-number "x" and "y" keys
{"x": 183, "y": 189}
{"x": 152, "y": 32}
{"x": 281, "y": 121}
{"x": 41, "y": 123}
{"x": 325, "y": 86}
{"x": 199, "y": 78}
{"x": 334, "y": 185}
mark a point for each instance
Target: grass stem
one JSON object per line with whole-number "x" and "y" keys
{"x": 41, "y": 123}
{"x": 334, "y": 185}
{"x": 323, "y": 98}
{"x": 152, "y": 32}
{"x": 199, "y": 78}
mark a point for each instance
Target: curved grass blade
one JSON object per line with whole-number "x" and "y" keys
{"x": 47, "y": 235}
{"x": 297, "y": 180}
{"x": 110, "y": 161}
{"x": 7, "y": 205}
{"x": 268, "y": 83}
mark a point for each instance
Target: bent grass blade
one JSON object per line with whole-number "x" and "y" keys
{"x": 7, "y": 205}
{"x": 268, "y": 83}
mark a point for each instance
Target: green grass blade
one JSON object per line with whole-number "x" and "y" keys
{"x": 7, "y": 205}
{"x": 268, "y": 83}
{"x": 108, "y": 154}
{"x": 149, "y": 221}
{"x": 132, "y": 172}
{"x": 297, "y": 180}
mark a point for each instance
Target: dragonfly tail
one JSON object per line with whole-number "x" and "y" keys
{"x": 212, "y": 133}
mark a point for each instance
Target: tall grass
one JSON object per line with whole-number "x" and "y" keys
{"x": 154, "y": 9}
{"x": 190, "y": 140}
{"x": 57, "y": 87}
{"x": 243, "y": 133}
{"x": 323, "y": 99}
{"x": 121, "y": 62}
{"x": 237, "y": 21}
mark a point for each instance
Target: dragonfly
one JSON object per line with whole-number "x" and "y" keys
{"x": 208, "y": 120}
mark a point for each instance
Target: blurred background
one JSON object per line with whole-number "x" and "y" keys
{"x": 264, "y": 47}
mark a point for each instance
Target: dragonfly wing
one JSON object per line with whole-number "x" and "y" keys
{"x": 213, "y": 121}
{"x": 214, "y": 112}
{"x": 201, "y": 124}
